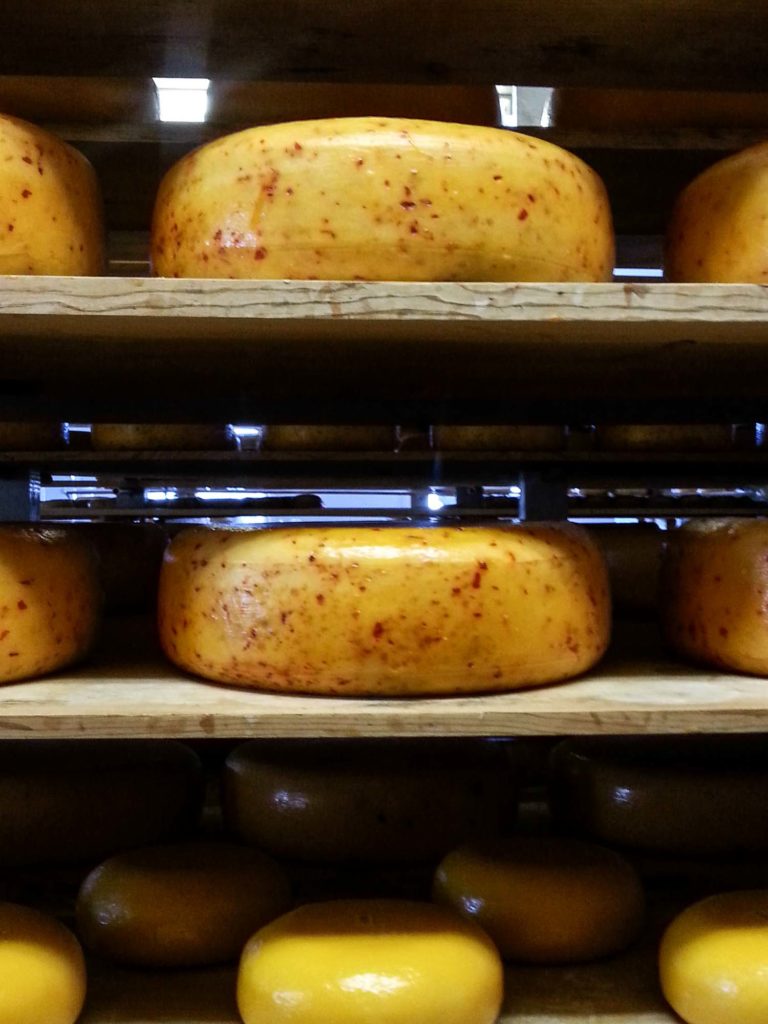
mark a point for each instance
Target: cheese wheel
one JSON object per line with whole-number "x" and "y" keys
{"x": 50, "y": 600}
{"x": 30, "y": 436}
{"x": 712, "y": 960}
{"x": 545, "y": 899}
{"x": 62, "y": 803}
{"x": 185, "y": 905}
{"x": 42, "y": 970}
{"x": 689, "y": 437}
{"x": 719, "y": 229}
{"x": 378, "y": 801}
{"x": 382, "y": 199}
{"x": 597, "y": 109}
{"x": 158, "y": 436}
{"x": 458, "y": 437}
{"x": 694, "y": 796}
{"x": 50, "y": 207}
{"x": 399, "y": 611}
{"x": 714, "y": 583}
{"x": 633, "y": 556}
{"x": 322, "y": 437}
{"x": 129, "y": 559}
{"x": 378, "y": 961}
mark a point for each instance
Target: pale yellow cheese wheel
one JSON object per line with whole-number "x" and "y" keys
{"x": 545, "y": 899}
{"x": 719, "y": 227}
{"x": 184, "y": 905}
{"x": 158, "y": 436}
{"x": 63, "y": 802}
{"x": 50, "y": 206}
{"x": 714, "y": 586}
{"x": 42, "y": 970}
{"x": 393, "y": 610}
{"x": 378, "y": 961}
{"x": 712, "y": 960}
{"x": 382, "y": 801}
{"x": 50, "y": 600}
{"x": 379, "y": 199}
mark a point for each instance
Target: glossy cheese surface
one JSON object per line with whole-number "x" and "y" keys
{"x": 378, "y": 961}
{"x": 382, "y": 199}
{"x": 545, "y": 899}
{"x": 715, "y": 589}
{"x": 50, "y": 600}
{"x": 183, "y": 905}
{"x": 369, "y": 610}
{"x": 712, "y": 960}
{"x": 719, "y": 229}
{"x": 42, "y": 971}
{"x": 50, "y": 205}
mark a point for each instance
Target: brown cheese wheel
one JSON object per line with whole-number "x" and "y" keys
{"x": 158, "y": 436}
{"x": 395, "y": 610}
{"x": 30, "y": 436}
{"x": 657, "y": 108}
{"x": 322, "y": 437}
{"x": 458, "y": 437}
{"x": 689, "y": 437}
{"x": 382, "y": 199}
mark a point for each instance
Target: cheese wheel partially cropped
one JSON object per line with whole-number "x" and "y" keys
{"x": 719, "y": 229}
{"x": 15, "y": 436}
{"x": 378, "y": 801}
{"x": 378, "y": 961}
{"x": 714, "y": 585}
{"x": 515, "y": 437}
{"x": 545, "y": 899}
{"x": 376, "y": 198}
{"x": 64, "y": 803}
{"x": 633, "y": 555}
{"x": 688, "y": 795}
{"x": 159, "y": 436}
{"x": 42, "y": 970}
{"x": 325, "y": 437}
{"x": 50, "y": 600}
{"x": 185, "y": 905}
{"x": 712, "y": 960}
{"x": 384, "y": 610}
{"x": 646, "y": 437}
{"x": 50, "y": 205}
{"x": 596, "y": 109}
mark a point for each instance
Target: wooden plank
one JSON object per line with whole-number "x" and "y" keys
{"x": 548, "y": 43}
{"x": 128, "y": 690}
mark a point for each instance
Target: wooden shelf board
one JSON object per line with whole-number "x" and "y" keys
{"x": 128, "y": 690}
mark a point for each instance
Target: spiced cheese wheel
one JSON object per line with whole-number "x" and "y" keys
{"x": 385, "y": 610}
{"x": 378, "y": 198}
{"x": 50, "y": 206}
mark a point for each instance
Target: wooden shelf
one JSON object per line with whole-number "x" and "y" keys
{"x": 128, "y": 690}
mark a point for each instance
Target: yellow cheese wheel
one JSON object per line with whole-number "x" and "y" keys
{"x": 322, "y": 437}
{"x": 64, "y": 802}
{"x": 545, "y": 899}
{"x": 158, "y": 436}
{"x": 185, "y": 905}
{"x": 42, "y": 970}
{"x": 714, "y": 586}
{"x": 526, "y": 437}
{"x": 129, "y": 559}
{"x": 719, "y": 228}
{"x": 50, "y": 207}
{"x": 369, "y": 610}
{"x": 379, "y": 199}
{"x": 690, "y": 437}
{"x": 713, "y": 957}
{"x": 50, "y": 600}
{"x": 377, "y": 801}
{"x": 586, "y": 108}
{"x": 378, "y": 961}
{"x": 633, "y": 555}
{"x": 695, "y": 796}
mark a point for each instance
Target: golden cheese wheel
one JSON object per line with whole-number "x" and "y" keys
{"x": 394, "y": 610}
{"x": 712, "y": 960}
{"x": 50, "y": 206}
{"x": 517, "y": 437}
{"x": 380, "y": 199}
{"x": 714, "y": 586}
{"x": 719, "y": 227}
{"x": 377, "y": 801}
{"x": 129, "y": 560}
{"x": 689, "y": 437}
{"x": 42, "y": 970}
{"x": 30, "y": 436}
{"x": 633, "y": 555}
{"x": 50, "y": 600}
{"x": 322, "y": 437}
{"x": 159, "y": 436}
{"x": 63, "y": 802}
{"x": 596, "y": 109}
{"x": 184, "y": 905}
{"x": 545, "y": 899}
{"x": 688, "y": 795}
{"x": 378, "y": 961}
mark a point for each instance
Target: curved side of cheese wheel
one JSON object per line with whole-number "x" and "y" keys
{"x": 50, "y": 600}
{"x": 394, "y": 610}
{"x": 158, "y": 436}
{"x": 714, "y": 582}
{"x": 712, "y": 960}
{"x": 42, "y": 969}
{"x": 597, "y": 109}
{"x": 65, "y": 803}
{"x": 369, "y": 802}
{"x": 382, "y": 199}
{"x": 718, "y": 231}
{"x": 50, "y": 205}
